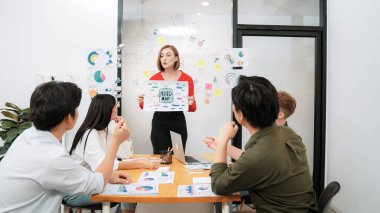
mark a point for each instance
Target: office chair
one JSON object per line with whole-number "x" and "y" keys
{"x": 326, "y": 196}
{"x": 245, "y": 199}
{"x": 324, "y": 199}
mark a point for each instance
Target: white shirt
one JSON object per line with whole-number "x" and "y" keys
{"x": 96, "y": 148}
{"x": 36, "y": 171}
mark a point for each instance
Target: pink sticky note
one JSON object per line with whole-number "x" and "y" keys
{"x": 208, "y": 86}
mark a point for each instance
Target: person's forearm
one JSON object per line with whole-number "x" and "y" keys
{"x": 106, "y": 166}
{"x": 234, "y": 152}
{"x": 221, "y": 152}
{"x": 123, "y": 165}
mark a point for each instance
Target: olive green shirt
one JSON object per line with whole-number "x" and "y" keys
{"x": 275, "y": 171}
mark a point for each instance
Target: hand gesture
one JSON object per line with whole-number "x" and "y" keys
{"x": 140, "y": 98}
{"x": 117, "y": 119}
{"x": 191, "y": 100}
{"x": 121, "y": 131}
{"x": 151, "y": 164}
{"x": 119, "y": 177}
{"x": 210, "y": 142}
{"x": 228, "y": 131}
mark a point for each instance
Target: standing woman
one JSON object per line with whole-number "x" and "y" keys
{"x": 168, "y": 62}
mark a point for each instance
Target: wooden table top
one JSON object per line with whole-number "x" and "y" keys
{"x": 167, "y": 192}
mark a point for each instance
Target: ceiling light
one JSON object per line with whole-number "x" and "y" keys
{"x": 205, "y": 3}
{"x": 199, "y": 14}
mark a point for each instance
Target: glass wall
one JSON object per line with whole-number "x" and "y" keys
{"x": 289, "y": 63}
{"x": 279, "y": 12}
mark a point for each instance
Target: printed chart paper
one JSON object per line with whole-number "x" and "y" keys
{"x": 201, "y": 180}
{"x": 131, "y": 189}
{"x": 198, "y": 166}
{"x": 156, "y": 177}
{"x": 102, "y": 72}
{"x": 197, "y": 190}
{"x": 166, "y": 96}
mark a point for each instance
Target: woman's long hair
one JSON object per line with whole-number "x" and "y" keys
{"x": 98, "y": 117}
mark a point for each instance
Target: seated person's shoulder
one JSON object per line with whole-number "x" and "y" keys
{"x": 287, "y": 132}
{"x": 291, "y": 138}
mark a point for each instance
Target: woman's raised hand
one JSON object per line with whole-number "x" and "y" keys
{"x": 121, "y": 131}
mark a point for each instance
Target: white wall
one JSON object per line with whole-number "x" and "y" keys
{"x": 353, "y": 102}
{"x": 43, "y": 37}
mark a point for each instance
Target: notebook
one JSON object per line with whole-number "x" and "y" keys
{"x": 179, "y": 154}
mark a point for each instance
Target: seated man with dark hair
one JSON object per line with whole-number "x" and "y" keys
{"x": 287, "y": 107}
{"x": 273, "y": 167}
{"x": 37, "y": 170}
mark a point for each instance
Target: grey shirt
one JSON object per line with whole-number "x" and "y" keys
{"x": 275, "y": 171}
{"x": 36, "y": 172}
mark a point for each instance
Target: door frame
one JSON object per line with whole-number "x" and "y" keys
{"x": 319, "y": 33}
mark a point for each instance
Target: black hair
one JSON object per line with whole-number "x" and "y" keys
{"x": 98, "y": 117}
{"x": 257, "y": 99}
{"x": 51, "y": 102}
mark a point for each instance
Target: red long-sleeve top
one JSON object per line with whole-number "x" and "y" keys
{"x": 184, "y": 77}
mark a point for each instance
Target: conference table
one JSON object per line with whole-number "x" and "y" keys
{"x": 167, "y": 192}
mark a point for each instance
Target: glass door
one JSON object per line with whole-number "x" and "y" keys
{"x": 289, "y": 63}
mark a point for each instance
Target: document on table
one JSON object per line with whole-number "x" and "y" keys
{"x": 196, "y": 190}
{"x": 131, "y": 189}
{"x": 199, "y": 180}
{"x": 198, "y": 166}
{"x": 160, "y": 177}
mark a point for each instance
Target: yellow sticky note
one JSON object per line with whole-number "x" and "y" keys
{"x": 146, "y": 74}
{"x": 218, "y": 92}
{"x": 217, "y": 67}
{"x": 161, "y": 40}
{"x": 201, "y": 63}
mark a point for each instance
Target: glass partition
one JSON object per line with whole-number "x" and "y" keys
{"x": 279, "y": 12}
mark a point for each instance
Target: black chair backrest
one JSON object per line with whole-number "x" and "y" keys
{"x": 328, "y": 193}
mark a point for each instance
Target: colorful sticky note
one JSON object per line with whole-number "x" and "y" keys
{"x": 146, "y": 74}
{"x": 206, "y": 101}
{"x": 161, "y": 40}
{"x": 218, "y": 92}
{"x": 92, "y": 92}
{"x": 201, "y": 63}
{"x": 217, "y": 67}
{"x": 207, "y": 97}
{"x": 208, "y": 86}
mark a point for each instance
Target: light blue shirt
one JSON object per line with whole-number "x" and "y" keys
{"x": 36, "y": 172}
